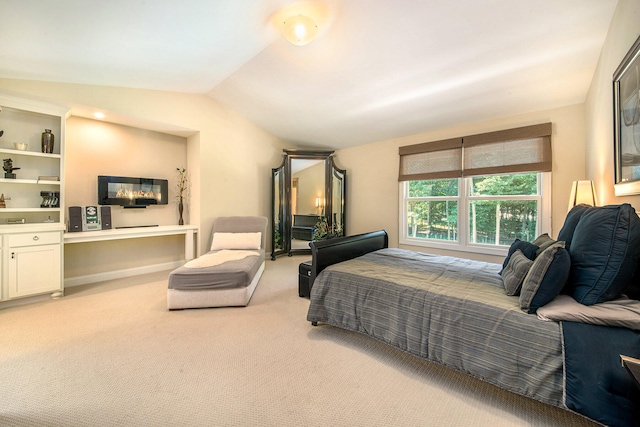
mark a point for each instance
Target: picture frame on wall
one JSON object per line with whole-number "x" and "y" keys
{"x": 626, "y": 123}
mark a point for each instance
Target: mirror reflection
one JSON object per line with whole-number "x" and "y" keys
{"x": 308, "y": 201}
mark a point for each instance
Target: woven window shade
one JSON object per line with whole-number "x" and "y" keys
{"x": 432, "y": 160}
{"x": 526, "y": 149}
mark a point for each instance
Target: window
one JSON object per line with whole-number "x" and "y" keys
{"x": 480, "y": 214}
{"x": 477, "y": 193}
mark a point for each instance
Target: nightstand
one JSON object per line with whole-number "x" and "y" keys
{"x": 304, "y": 279}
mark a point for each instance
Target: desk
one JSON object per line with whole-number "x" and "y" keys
{"x": 189, "y": 232}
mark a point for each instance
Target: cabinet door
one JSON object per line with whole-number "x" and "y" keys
{"x": 34, "y": 270}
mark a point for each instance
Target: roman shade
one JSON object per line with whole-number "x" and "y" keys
{"x": 519, "y": 150}
{"x": 525, "y": 149}
{"x": 431, "y": 160}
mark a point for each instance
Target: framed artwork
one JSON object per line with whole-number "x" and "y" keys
{"x": 626, "y": 123}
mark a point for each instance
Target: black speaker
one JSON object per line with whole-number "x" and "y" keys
{"x": 75, "y": 218}
{"x": 105, "y": 217}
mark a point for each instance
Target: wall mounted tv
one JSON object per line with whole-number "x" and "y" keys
{"x": 132, "y": 192}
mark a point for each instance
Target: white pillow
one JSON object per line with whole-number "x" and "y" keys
{"x": 236, "y": 241}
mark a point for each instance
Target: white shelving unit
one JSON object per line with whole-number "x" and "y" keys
{"x": 31, "y": 252}
{"x": 23, "y": 121}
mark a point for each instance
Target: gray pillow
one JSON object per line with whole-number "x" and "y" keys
{"x": 621, "y": 312}
{"x": 514, "y": 273}
{"x": 546, "y": 278}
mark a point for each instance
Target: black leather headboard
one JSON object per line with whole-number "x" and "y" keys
{"x": 327, "y": 252}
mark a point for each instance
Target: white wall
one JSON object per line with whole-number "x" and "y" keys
{"x": 372, "y": 170}
{"x": 623, "y": 32}
{"x": 99, "y": 148}
{"x": 229, "y": 159}
{"x": 95, "y": 148}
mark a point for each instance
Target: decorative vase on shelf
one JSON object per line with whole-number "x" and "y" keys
{"x": 180, "y": 210}
{"x": 47, "y": 141}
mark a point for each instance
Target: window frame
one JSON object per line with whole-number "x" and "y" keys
{"x": 462, "y": 244}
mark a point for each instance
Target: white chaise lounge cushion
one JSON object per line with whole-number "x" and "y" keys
{"x": 217, "y": 258}
{"x": 247, "y": 241}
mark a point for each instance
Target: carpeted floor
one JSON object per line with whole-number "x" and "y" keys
{"x": 110, "y": 354}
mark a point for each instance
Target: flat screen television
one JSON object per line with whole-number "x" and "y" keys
{"x": 132, "y": 192}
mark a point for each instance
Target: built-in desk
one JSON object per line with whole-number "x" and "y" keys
{"x": 189, "y": 232}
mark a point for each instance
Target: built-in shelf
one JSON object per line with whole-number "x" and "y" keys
{"x": 28, "y": 181}
{"x": 23, "y": 121}
{"x": 29, "y": 153}
{"x": 30, "y": 210}
{"x": 32, "y": 246}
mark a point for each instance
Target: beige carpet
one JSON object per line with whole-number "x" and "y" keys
{"x": 110, "y": 354}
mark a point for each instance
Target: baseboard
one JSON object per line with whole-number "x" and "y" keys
{"x": 70, "y": 282}
{"x": 29, "y": 300}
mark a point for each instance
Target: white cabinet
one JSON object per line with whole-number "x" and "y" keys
{"x": 32, "y": 263}
{"x": 31, "y": 221}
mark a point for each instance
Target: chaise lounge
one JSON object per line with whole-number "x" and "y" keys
{"x": 228, "y": 274}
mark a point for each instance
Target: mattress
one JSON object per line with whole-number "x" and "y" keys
{"x": 230, "y": 274}
{"x": 449, "y": 310}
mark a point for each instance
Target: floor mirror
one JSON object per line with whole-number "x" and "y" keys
{"x": 308, "y": 201}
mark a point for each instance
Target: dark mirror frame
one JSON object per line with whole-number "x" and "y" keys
{"x": 281, "y": 200}
{"x": 626, "y": 123}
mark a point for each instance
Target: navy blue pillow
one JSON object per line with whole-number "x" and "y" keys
{"x": 632, "y": 290}
{"x": 528, "y": 250}
{"x": 570, "y": 223}
{"x": 604, "y": 253}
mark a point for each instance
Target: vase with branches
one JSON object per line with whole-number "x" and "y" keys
{"x": 182, "y": 192}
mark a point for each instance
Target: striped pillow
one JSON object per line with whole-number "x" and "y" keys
{"x": 514, "y": 273}
{"x": 543, "y": 241}
{"x": 546, "y": 277}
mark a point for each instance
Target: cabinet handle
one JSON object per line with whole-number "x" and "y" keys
{"x": 36, "y": 238}
{"x": 13, "y": 255}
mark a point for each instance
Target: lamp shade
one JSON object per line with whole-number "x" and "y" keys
{"x": 582, "y": 192}
{"x": 299, "y": 29}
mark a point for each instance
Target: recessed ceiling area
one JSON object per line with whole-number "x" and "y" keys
{"x": 376, "y": 70}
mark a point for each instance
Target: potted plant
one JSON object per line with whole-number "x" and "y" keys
{"x": 182, "y": 192}
{"x": 323, "y": 231}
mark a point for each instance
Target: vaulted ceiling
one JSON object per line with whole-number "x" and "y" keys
{"x": 378, "y": 69}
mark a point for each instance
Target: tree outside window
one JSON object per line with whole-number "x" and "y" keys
{"x": 497, "y": 209}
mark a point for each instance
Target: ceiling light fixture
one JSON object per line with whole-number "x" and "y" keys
{"x": 98, "y": 115}
{"x": 299, "y": 29}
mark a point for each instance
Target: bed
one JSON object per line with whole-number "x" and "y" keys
{"x": 227, "y": 275}
{"x": 457, "y": 312}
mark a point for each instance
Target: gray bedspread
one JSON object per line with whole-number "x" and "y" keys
{"x": 449, "y": 310}
{"x": 230, "y": 274}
